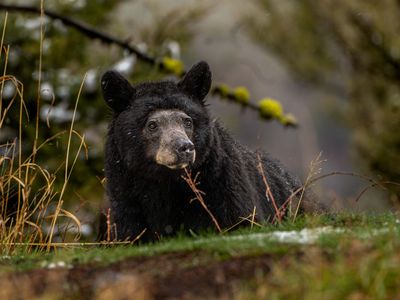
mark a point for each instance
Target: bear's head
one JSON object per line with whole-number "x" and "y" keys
{"x": 162, "y": 125}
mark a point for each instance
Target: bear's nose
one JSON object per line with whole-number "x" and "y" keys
{"x": 185, "y": 146}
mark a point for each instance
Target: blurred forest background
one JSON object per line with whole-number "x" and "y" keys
{"x": 334, "y": 64}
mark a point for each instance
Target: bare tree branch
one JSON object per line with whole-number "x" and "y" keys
{"x": 93, "y": 33}
{"x": 84, "y": 28}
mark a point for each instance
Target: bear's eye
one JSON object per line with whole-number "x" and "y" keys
{"x": 152, "y": 126}
{"x": 188, "y": 123}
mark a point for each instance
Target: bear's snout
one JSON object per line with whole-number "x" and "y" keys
{"x": 185, "y": 148}
{"x": 176, "y": 152}
{"x": 185, "y": 151}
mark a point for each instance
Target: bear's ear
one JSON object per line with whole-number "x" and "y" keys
{"x": 117, "y": 91}
{"x": 197, "y": 82}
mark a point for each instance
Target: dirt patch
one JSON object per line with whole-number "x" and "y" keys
{"x": 168, "y": 276}
{"x": 213, "y": 280}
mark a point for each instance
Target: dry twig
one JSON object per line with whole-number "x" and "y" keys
{"x": 199, "y": 195}
{"x": 268, "y": 193}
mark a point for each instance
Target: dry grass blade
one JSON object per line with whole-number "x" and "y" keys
{"x": 138, "y": 237}
{"x": 250, "y": 218}
{"x": 268, "y": 193}
{"x": 242, "y": 220}
{"x": 108, "y": 225}
{"x": 29, "y": 190}
{"x": 373, "y": 183}
{"x": 19, "y": 93}
{"x": 1, "y": 52}
{"x": 68, "y": 171}
{"x": 71, "y": 216}
{"x": 253, "y": 217}
{"x": 3, "y": 35}
{"x": 39, "y": 76}
{"x": 314, "y": 171}
{"x": 199, "y": 196}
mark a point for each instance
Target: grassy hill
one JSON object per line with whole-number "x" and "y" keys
{"x": 347, "y": 256}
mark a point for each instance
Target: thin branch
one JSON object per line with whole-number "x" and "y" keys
{"x": 268, "y": 193}
{"x": 193, "y": 186}
{"x": 93, "y": 33}
{"x": 84, "y": 28}
{"x": 373, "y": 183}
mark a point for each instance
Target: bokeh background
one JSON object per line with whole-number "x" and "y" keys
{"x": 334, "y": 64}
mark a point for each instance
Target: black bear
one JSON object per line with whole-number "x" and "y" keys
{"x": 160, "y": 128}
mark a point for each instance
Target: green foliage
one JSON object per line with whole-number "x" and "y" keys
{"x": 291, "y": 30}
{"x": 65, "y": 60}
{"x": 356, "y": 40}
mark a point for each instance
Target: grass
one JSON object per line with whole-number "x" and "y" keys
{"x": 359, "y": 271}
{"x": 358, "y": 264}
{"x": 372, "y": 230}
{"x": 31, "y": 201}
{"x": 359, "y": 261}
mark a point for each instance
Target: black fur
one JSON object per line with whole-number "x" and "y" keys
{"x": 146, "y": 195}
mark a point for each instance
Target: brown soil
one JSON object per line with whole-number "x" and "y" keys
{"x": 168, "y": 276}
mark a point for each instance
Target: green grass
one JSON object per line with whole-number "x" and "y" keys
{"x": 359, "y": 259}
{"x": 374, "y": 230}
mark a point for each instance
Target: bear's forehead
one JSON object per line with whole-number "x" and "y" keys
{"x": 168, "y": 114}
{"x": 160, "y": 89}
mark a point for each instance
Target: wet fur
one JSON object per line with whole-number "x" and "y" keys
{"x": 145, "y": 195}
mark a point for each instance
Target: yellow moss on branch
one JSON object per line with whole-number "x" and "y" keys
{"x": 172, "y": 65}
{"x": 270, "y": 108}
{"x": 241, "y": 94}
{"x": 288, "y": 120}
{"x": 223, "y": 90}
